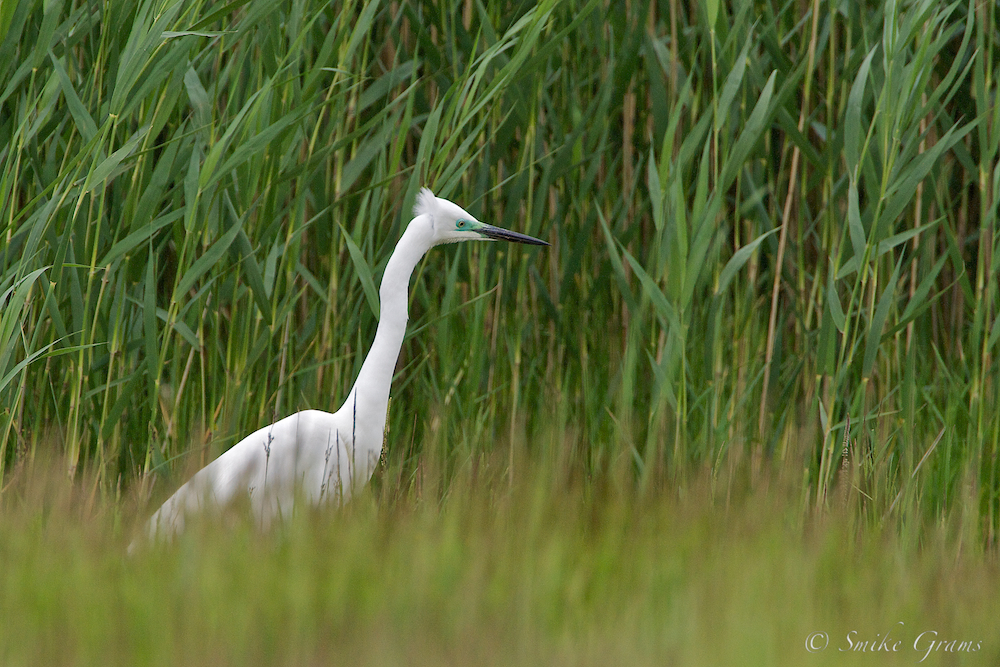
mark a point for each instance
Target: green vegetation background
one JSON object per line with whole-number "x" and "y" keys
{"x": 749, "y": 392}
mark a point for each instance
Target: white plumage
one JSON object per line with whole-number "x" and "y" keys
{"x": 317, "y": 456}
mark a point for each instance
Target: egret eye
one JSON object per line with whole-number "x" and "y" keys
{"x": 461, "y": 224}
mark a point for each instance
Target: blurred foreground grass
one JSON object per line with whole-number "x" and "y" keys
{"x": 552, "y": 568}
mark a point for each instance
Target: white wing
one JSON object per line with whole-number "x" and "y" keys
{"x": 310, "y": 455}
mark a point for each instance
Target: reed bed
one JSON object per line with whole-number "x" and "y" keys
{"x": 774, "y": 259}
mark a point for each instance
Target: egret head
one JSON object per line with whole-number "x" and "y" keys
{"x": 451, "y": 223}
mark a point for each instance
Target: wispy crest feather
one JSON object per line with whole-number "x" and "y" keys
{"x": 426, "y": 203}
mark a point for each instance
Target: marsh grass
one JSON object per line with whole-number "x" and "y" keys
{"x": 763, "y": 225}
{"x": 552, "y": 568}
{"x": 773, "y": 232}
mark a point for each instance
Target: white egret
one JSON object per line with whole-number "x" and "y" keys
{"x": 317, "y": 456}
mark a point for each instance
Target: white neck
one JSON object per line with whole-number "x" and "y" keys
{"x": 370, "y": 394}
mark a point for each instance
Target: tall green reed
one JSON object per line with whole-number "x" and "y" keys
{"x": 766, "y": 220}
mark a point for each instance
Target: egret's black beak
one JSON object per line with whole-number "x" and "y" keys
{"x": 498, "y": 234}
